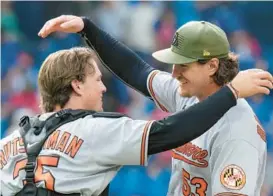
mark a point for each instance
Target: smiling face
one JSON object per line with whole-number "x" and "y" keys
{"x": 195, "y": 78}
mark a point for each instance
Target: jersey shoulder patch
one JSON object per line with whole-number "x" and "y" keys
{"x": 233, "y": 177}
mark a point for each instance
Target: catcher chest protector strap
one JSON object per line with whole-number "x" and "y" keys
{"x": 35, "y": 132}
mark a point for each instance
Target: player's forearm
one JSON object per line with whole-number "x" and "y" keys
{"x": 184, "y": 126}
{"x": 118, "y": 58}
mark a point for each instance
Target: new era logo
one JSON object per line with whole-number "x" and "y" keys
{"x": 206, "y": 53}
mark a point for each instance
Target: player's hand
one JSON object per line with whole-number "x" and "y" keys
{"x": 64, "y": 23}
{"x": 251, "y": 82}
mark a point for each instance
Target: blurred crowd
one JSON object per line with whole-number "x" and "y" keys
{"x": 145, "y": 27}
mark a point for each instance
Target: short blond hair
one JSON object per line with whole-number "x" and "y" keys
{"x": 58, "y": 71}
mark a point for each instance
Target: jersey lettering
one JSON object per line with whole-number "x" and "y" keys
{"x": 192, "y": 154}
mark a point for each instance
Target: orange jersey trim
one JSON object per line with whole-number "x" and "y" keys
{"x": 143, "y": 143}
{"x": 229, "y": 194}
{"x": 150, "y": 87}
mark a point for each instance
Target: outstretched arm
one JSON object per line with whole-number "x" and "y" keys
{"x": 114, "y": 55}
{"x": 117, "y": 58}
{"x": 249, "y": 82}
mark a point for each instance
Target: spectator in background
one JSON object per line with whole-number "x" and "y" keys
{"x": 112, "y": 16}
{"x": 31, "y": 15}
{"x": 165, "y": 29}
{"x": 184, "y": 11}
{"x": 141, "y": 33}
{"x": 10, "y": 34}
{"x": 16, "y": 116}
{"x": 57, "y": 42}
{"x": 9, "y": 20}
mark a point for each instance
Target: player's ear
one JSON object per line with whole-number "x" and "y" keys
{"x": 213, "y": 66}
{"x": 77, "y": 87}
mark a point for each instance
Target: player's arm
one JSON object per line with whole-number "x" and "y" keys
{"x": 130, "y": 67}
{"x": 117, "y": 57}
{"x": 125, "y": 141}
{"x": 237, "y": 163}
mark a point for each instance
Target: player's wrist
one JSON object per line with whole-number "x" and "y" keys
{"x": 85, "y": 21}
{"x": 234, "y": 90}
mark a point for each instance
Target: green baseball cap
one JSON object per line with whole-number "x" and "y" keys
{"x": 195, "y": 40}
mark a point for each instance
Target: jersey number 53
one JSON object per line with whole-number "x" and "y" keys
{"x": 200, "y": 184}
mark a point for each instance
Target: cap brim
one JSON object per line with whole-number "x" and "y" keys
{"x": 170, "y": 57}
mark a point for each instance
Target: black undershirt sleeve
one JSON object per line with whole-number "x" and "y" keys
{"x": 184, "y": 126}
{"x": 117, "y": 58}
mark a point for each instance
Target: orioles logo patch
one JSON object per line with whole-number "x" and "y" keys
{"x": 175, "y": 39}
{"x": 233, "y": 177}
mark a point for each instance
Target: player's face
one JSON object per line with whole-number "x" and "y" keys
{"x": 193, "y": 79}
{"x": 93, "y": 89}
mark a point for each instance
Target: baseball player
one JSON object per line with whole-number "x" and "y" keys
{"x": 81, "y": 156}
{"x": 229, "y": 159}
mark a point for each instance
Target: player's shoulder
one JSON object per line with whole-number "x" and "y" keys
{"x": 107, "y": 117}
{"x": 239, "y": 123}
{"x": 103, "y": 122}
{"x": 238, "y": 114}
{"x": 241, "y": 107}
{"x": 241, "y": 118}
{"x": 161, "y": 77}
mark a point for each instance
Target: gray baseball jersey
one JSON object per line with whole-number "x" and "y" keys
{"x": 229, "y": 159}
{"x": 81, "y": 156}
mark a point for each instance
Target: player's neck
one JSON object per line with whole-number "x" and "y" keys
{"x": 71, "y": 104}
{"x": 211, "y": 89}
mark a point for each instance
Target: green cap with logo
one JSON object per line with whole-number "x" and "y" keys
{"x": 195, "y": 40}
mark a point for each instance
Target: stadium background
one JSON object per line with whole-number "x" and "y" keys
{"x": 145, "y": 27}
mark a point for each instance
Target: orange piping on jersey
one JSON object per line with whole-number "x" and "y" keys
{"x": 143, "y": 143}
{"x": 197, "y": 154}
{"x": 260, "y": 129}
{"x": 63, "y": 141}
{"x": 150, "y": 86}
{"x": 229, "y": 194}
{"x": 74, "y": 147}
